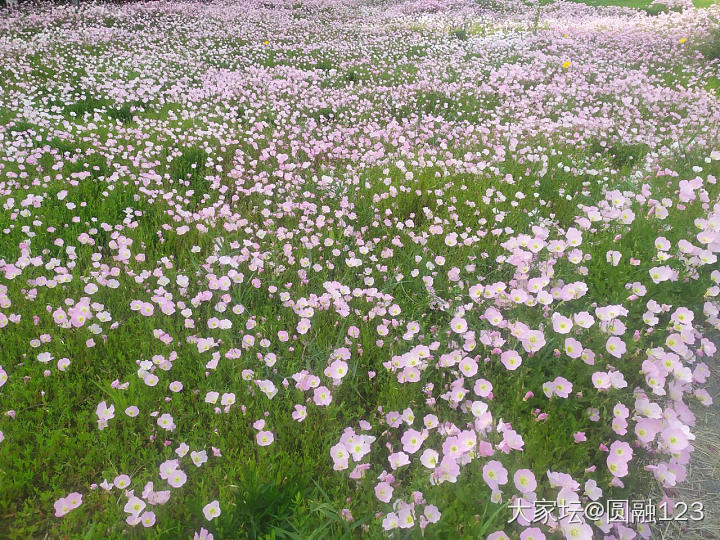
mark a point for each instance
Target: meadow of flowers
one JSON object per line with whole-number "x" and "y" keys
{"x": 337, "y": 268}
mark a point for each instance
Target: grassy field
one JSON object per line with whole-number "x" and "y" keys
{"x": 327, "y": 269}
{"x": 639, "y": 4}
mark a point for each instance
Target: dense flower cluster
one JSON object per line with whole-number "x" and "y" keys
{"x": 447, "y": 256}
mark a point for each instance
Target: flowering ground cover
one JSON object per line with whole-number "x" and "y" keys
{"x": 334, "y": 268}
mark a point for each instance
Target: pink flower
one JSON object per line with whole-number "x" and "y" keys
{"x": 620, "y": 410}
{"x": 339, "y": 455}
{"x": 390, "y": 521}
{"x": 646, "y": 429}
{"x": 384, "y": 492}
{"x": 468, "y": 366}
{"x": 398, "y": 459}
{"x": 562, "y": 387}
{"x": 494, "y": 474}
{"x": 104, "y": 413}
{"x": 583, "y": 319}
{"x": 573, "y": 348}
{"x": 532, "y": 533}
{"x": 147, "y": 519}
{"x": 511, "y": 360}
{"x": 601, "y": 380}
{"x": 322, "y": 396}
{"x": 592, "y": 490}
{"x": 615, "y": 346}
{"x": 166, "y": 422}
{"x": 74, "y": 499}
{"x": 211, "y": 510}
{"x": 579, "y": 437}
{"x": 588, "y": 356}
{"x": 451, "y": 448}
{"x": 265, "y": 438}
{"x": 62, "y": 507}
{"x": 675, "y": 439}
{"x": 337, "y": 370}
{"x": 198, "y": 458}
{"x": 561, "y": 324}
{"x": 617, "y": 379}
{"x": 177, "y": 478}
{"x": 579, "y": 531}
{"x": 447, "y": 471}
{"x": 132, "y": 411}
{"x": 482, "y": 388}
{"x": 512, "y": 440}
{"x": 524, "y": 480}
{"x": 534, "y": 341}
{"x": 203, "y": 534}
{"x": 134, "y": 506}
{"x": 431, "y": 513}
{"x": 411, "y": 441}
{"x": 122, "y": 481}
{"x": 467, "y": 440}
{"x": 621, "y": 449}
{"x": 359, "y": 471}
{"x": 300, "y": 413}
{"x": 169, "y": 466}
{"x": 659, "y": 274}
{"x": 303, "y": 326}
{"x": 429, "y": 458}
{"x": 459, "y": 325}
{"x": 132, "y": 519}
{"x": 406, "y": 518}
{"x": 619, "y": 426}
{"x": 617, "y": 466}
{"x": 493, "y": 316}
